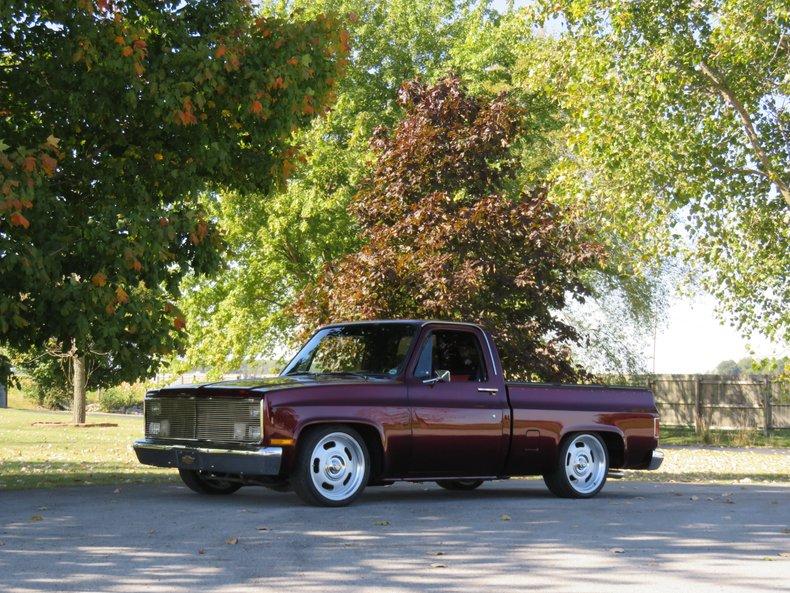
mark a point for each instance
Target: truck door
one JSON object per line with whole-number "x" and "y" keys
{"x": 460, "y": 423}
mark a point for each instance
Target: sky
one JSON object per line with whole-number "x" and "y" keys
{"x": 693, "y": 341}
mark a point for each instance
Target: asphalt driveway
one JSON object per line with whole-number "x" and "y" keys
{"x": 506, "y": 537}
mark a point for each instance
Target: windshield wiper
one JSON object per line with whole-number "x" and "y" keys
{"x": 329, "y": 374}
{"x": 344, "y": 374}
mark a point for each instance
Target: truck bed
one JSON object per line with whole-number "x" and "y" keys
{"x": 542, "y": 414}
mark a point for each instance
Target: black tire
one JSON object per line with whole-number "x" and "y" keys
{"x": 206, "y": 485}
{"x": 307, "y": 465}
{"x": 459, "y": 484}
{"x": 558, "y": 481}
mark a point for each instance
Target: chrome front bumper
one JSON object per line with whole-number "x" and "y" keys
{"x": 263, "y": 461}
{"x": 656, "y": 460}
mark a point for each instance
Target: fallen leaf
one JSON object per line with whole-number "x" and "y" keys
{"x": 438, "y": 565}
{"x": 36, "y": 518}
{"x": 201, "y": 551}
{"x": 43, "y": 508}
{"x": 262, "y": 528}
{"x": 505, "y": 518}
{"x": 617, "y": 550}
{"x": 116, "y": 491}
{"x": 232, "y": 541}
{"x": 383, "y": 523}
{"x": 438, "y": 553}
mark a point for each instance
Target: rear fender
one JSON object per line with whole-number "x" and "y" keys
{"x": 613, "y": 438}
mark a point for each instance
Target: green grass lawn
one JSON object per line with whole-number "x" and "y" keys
{"x": 41, "y": 456}
{"x": 725, "y": 438}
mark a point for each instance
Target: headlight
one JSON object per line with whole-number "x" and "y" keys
{"x": 154, "y": 407}
{"x": 239, "y": 431}
{"x": 160, "y": 429}
{"x": 244, "y": 431}
{"x": 255, "y": 411}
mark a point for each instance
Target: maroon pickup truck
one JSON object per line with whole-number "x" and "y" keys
{"x": 370, "y": 403}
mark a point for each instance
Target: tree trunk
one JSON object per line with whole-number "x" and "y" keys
{"x": 79, "y": 380}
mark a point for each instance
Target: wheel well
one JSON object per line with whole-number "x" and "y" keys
{"x": 615, "y": 447}
{"x": 372, "y": 440}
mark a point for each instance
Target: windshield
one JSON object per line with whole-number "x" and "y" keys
{"x": 363, "y": 349}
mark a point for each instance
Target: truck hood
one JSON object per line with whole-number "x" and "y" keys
{"x": 259, "y": 386}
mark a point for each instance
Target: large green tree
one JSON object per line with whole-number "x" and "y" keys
{"x": 283, "y": 246}
{"x": 676, "y": 134}
{"x": 116, "y": 116}
{"x": 448, "y": 235}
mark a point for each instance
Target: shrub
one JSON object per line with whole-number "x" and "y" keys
{"x": 121, "y": 397}
{"x": 43, "y": 380}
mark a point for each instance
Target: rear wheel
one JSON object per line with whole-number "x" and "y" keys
{"x": 459, "y": 484}
{"x": 581, "y": 467}
{"x": 332, "y": 467}
{"x": 203, "y": 484}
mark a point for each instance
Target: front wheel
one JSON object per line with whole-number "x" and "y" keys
{"x": 581, "y": 467}
{"x": 459, "y": 484}
{"x": 202, "y": 484}
{"x": 332, "y": 467}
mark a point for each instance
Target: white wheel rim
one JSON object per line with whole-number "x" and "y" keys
{"x": 585, "y": 464}
{"x": 337, "y": 466}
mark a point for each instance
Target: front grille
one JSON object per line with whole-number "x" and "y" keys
{"x": 219, "y": 420}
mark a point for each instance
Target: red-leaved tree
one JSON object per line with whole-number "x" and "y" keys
{"x": 445, "y": 239}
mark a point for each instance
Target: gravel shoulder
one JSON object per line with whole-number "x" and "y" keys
{"x": 722, "y": 464}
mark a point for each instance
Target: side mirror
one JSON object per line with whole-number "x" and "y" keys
{"x": 439, "y": 377}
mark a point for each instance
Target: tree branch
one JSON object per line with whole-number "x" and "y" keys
{"x": 718, "y": 82}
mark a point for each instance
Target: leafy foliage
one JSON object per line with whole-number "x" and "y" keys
{"x": 779, "y": 366}
{"x": 447, "y": 236}
{"x": 117, "y": 115}
{"x": 676, "y": 135}
{"x": 280, "y": 247}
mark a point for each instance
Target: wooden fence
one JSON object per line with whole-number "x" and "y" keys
{"x": 718, "y": 401}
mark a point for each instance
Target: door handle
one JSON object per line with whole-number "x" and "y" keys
{"x": 491, "y": 390}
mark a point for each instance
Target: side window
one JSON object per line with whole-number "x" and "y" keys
{"x": 455, "y": 351}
